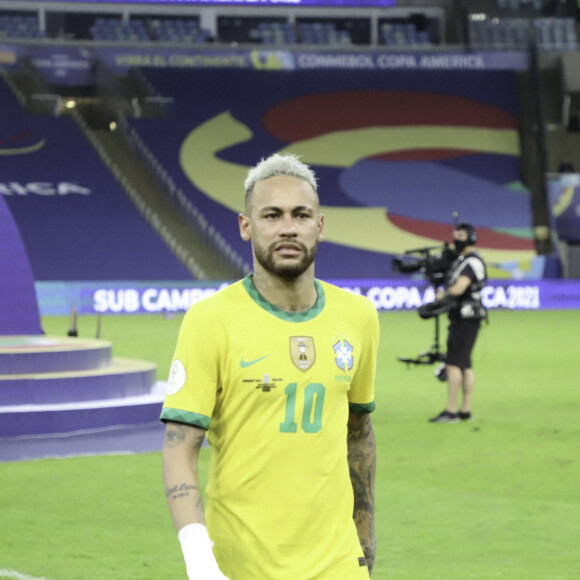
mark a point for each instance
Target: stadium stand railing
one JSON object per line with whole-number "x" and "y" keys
{"x": 152, "y": 218}
{"x": 20, "y": 96}
{"x": 215, "y": 242}
{"x": 214, "y": 239}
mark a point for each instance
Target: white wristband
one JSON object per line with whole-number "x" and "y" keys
{"x": 197, "y": 553}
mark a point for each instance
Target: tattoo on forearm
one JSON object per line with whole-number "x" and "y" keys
{"x": 369, "y": 550}
{"x": 175, "y": 435}
{"x": 185, "y": 490}
{"x": 198, "y": 442}
{"x": 178, "y": 491}
{"x": 362, "y": 464}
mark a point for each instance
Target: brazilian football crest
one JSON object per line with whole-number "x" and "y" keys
{"x": 343, "y": 354}
{"x": 302, "y": 351}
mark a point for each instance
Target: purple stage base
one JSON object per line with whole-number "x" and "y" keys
{"x": 80, "y": 387}
{"x": 42, "y": 354}
{"x": 35, "y": 420}
{"x": 123, "y": 440}
{"x": 122, "y": 379}
{"x": 18, "y": 306}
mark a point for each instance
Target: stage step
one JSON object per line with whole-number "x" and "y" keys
{"x": 53, "y": 385}
{"x": 122, "y": 378}
{"x": 19, "y": 420}
{"x": 50, "y": 354}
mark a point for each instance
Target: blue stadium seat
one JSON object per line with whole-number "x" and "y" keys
{"x": 516, "y": 33}
{"x": 179, "y": 30}
{"x": 113, "y": 29}
{"x": 323, "y": 33}
{"x": 20, "y": 27}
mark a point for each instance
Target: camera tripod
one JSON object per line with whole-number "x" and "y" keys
{"x": 429, "y": 357}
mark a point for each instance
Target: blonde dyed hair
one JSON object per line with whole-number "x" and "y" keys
{"x": 279, "y": 164}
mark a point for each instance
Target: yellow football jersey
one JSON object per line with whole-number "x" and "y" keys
{"x": 274, "y": 391}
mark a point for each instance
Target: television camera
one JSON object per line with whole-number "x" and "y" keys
{"x": 433, "y": 262}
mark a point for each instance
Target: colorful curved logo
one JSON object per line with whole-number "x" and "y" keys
{"x": 395, "y": 166}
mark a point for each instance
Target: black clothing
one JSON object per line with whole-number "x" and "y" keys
{"x": 460, "y": 341}
{"x": 468, "y": 311}
{"x": 469, "y": 304}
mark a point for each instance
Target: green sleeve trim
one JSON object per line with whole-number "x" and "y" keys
{"x": 363, "y": 409}
{"x": 180, "y": 416}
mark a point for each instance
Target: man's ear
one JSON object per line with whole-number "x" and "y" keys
{"x": 321, "y": 227}
{"x": 245, "y": 227}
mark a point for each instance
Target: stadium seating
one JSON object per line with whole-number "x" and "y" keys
{"x": 178, "y": 30}
{"x": 76, "y": 220}
{"x": 116, "y": 30}
{"x": 274, "y": 33}
{"x": 402, "y": 34}
{"x": 325, "y": 33}
{"x": 166, "y": 30}
{"x": 20, "y": 27}
{"x": 517, "y": 33}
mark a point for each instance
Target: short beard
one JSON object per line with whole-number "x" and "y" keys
{"x": 286, "y": 271}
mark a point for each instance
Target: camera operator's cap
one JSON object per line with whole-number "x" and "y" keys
{"x": 469, "y": 230}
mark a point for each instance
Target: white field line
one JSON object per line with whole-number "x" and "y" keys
{"x": 18, "y": 576}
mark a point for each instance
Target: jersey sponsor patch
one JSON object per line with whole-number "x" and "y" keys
{"x": 343, "y": 354}
{"x": 177, "y": 376}
{"x": 302, "y": 351}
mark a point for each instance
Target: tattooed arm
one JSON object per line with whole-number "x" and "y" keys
{"x": 362, "y": 463}
{"x": 180, "y": 456}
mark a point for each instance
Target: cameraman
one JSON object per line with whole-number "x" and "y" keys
{"x": 465, "y": 281}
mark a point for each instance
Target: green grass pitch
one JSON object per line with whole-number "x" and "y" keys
{"x": 495, "y": 498}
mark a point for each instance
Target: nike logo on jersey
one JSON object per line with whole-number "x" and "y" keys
{"x": 245, "y": 364}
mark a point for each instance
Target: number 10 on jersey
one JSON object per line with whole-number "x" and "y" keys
{"x": 313, "y": 405}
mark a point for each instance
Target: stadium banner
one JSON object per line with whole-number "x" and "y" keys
{"x": 70, "y": 66}
{"x": 564, "y": 197}
{"x": 58, "y": 298}
{"x": 75, "y": 65}
{"x": 380, "y": 60}
{"x": 121, "y": 59}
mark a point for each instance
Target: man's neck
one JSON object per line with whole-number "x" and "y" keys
{"x": 295, "y": 295}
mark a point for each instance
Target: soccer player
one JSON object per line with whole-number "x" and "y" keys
{"x": 277, "y": 371}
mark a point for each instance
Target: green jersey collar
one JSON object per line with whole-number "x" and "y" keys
{"x": 282, "y": 314}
